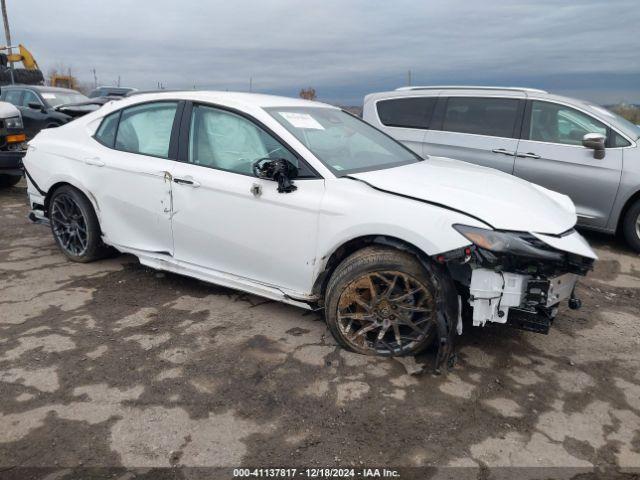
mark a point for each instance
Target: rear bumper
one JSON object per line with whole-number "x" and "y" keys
{"x": 11, "y": 163}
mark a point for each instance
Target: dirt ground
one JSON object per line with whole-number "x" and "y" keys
{"x": 113, "y": 369}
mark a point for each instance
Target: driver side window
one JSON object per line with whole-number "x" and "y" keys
{"x": 554, "y": 123}
{"x": 225, "y": 141}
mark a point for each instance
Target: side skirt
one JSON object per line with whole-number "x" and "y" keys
{"x": 167, "y": 263}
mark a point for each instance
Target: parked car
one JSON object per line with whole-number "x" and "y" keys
{"x": 303, "y": 203}
{"x": 12, "y": 145}
{"x": 567, "y": 145}
{"x": 41, "y": 107}
{"x": 107, "y": 91}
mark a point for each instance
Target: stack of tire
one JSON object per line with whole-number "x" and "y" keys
{"x": 20, "y": 75}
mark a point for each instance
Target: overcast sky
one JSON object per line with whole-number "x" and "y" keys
{"x": 342, "y": 48}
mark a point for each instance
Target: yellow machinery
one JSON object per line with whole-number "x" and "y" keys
{"x": 31, "y": 74}
{"x": 24, "y": 56}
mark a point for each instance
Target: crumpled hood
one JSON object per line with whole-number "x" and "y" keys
{"x": 503, "y": 201}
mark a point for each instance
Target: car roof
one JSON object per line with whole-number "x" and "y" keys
{"x": 238, "y": 98}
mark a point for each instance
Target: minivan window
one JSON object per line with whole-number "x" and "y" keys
{"x": 413, "y": 112}
{"x": 555, "y": 123}
{"x": 494, "y": 117}
{"x": 146, "y": 129}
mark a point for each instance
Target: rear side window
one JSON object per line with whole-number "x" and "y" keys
{"x": 146, "y": 129}
{"x": 407, "y": 112}
{"x": 494, "y": 117}
{"x": 106, "y": 133}
{"x": 13, "y": 96}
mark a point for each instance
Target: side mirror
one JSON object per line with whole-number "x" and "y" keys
{"x": 279, "y": 169}
{"x": 36, "y": 106}
{"x": 596, "y": 142}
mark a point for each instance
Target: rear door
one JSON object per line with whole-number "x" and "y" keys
{"x": 128, "y": 174}
{"x": 406, "y": 119}
{"x": 551, "y": 154}
{"x": 480, "y": 130}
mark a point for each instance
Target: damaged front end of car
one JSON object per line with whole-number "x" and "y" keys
{"x": 517, "y": 278}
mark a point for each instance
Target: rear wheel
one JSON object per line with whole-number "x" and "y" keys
{"x": 631, "y": 226}
{"x": 382, "y": 301}
{"x": 75, "y": 226}
{"x": 8, "y": 180}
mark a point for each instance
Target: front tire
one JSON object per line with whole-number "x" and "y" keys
{"x": 75, "y": 226}
{"x": 631, "y": 226}
{"x": 382, "y": 301}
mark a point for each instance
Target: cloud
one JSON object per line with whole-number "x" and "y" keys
{"x": 344, "y": 49}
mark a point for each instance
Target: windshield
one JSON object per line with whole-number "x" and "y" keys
{"x": 62, "y": 98}
{"x": 345, "y": 144}
{"x": 623, "y": 122}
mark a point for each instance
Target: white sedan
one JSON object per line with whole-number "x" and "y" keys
{"x": 303, "y": 203}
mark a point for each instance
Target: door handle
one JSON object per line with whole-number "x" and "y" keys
{"x": 528, "y": 155}
{"x": 94, "y": 161}
{"x": 504, "y": 152}
{"x": 186, "y": 181}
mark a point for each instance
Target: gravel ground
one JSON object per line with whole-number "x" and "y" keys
{"x": 112, "y": 369}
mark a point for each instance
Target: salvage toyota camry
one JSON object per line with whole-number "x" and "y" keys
{"x": 304, "y": 203}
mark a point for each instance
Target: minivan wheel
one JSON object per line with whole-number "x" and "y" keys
{"x": 631, "y": 226}
{"x": 75, "y": 226}
{"x": 381, "y": 301}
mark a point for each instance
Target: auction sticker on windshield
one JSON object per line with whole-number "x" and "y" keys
{"x": 301, "y": 120}
{"x": 48, "y": 96}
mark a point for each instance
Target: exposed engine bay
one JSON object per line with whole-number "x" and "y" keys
{"x": 522, "y": 283}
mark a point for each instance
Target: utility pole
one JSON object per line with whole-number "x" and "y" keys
{"x": 95, "y": 78}
{"x": 118, "y": 80}
{"x": 7, "y": 34}
{"x": 251, "y": 84}
{"x": 409, "y": 78}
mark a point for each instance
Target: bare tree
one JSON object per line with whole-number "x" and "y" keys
{"x": 308, "y": 93}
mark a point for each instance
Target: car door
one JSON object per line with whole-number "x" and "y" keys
{"x": 551, "y": 154}
{"x": 225, "y": 219}
{"x": 406, "y": 119}
{"x": 480, "y": 130}
{"x": 127, "y": 173}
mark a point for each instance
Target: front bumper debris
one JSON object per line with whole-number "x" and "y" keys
{"x": 522, "y": 301}
{"x": 520, "y": 290}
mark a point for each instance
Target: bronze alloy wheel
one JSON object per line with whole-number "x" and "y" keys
{"x": 69, "y": 225}
{"x": 385, "y": 313}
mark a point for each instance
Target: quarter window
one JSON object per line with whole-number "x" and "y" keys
{"x": 226, "y": 141}
{"x": 554, "y": 123}
{"x": 407, "y": 112}
{"x": 106, "y": 133}
{"x": 494, "y": 117}
{"x": 146, "y": 129}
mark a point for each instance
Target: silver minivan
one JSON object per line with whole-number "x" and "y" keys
{"x": 567, "y": 145}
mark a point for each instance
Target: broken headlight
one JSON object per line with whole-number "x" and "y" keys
{"x": 13, "y": 122}
{"x": 514, "y": 243}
